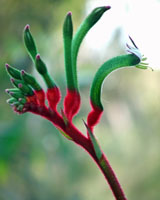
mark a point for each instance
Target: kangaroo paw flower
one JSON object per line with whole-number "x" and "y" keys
{"x": 28, "y": 95}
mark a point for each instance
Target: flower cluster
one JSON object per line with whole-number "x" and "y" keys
{"x": 28, "y": 96}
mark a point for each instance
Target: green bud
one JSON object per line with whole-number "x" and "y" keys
{"x": 13, "y": 72}
{"x": 68, "y": 26}
{"x": 26, "y": 89}
{"x": 29, "y": 79}
{"x": 12, "y": 90}
{"x": 40, "y": 65}
{"x": 67, "y": 40}
{"x": 29, "y": 43}
{"x": 16, "y": 95}
{"x": 42, "y": 69}
{"x": 11, "y": 100}
{"x": 23, "y": 87}
{"x": 17, "y": 103}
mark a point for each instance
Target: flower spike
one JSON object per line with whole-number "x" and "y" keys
{"x": 132, "y": 59}
{"x": 28, "y": 95}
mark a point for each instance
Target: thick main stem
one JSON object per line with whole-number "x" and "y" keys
{"x": 103, "y": 165}
{"x": 84, "y": 142}
{"x": 111, "y": 178}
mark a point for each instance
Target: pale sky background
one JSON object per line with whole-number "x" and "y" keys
{"x": 137, "y": 18}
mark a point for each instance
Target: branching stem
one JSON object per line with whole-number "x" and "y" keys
{"x": 86, "y": 143}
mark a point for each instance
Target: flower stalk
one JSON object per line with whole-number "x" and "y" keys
{"x": 28, "y": 95}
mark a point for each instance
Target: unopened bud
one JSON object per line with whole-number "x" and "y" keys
{"x": 29, "y": 79}
{"x": 40, "y": 65}
{"x": 16, "y": 95}
{"x": 13, "y": 72}
{"x": 11, "y": 100}
{"x": 29, "y": 43}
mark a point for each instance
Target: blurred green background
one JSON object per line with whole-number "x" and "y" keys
{"x": 36, "y": 162}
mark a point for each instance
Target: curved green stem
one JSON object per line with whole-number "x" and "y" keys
{"x": 86, "y": 25}
{"x": 105, "y": 70}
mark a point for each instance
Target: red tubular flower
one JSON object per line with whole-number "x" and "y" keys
{"x": 40, "y": 95}
{"x": 53, "y": 97}
{"x": 71, "y": 104}
{"x": 28, "y": 96}
{"x": 94, "y": 116}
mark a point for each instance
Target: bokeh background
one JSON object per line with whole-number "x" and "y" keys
{"x": 36, "y": 162}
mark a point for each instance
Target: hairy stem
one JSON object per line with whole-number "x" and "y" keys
{"x": 111, "y": 178}
{"x": 85, "y": 143}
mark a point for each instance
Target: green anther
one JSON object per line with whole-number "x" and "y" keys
{"x": 141, "y": 66}
{"x": 29, "y": 43}
{"x": 94, "y": 143}
{"x": 67, "y": 40}
{"x": 105, "y": 70}
{"x": 30, "y": 80}
{"x": 11, "y": 100}
{"x": 13, "y": 72}
{"x": 40, "y": 65}
{"x": 86, "y": 25}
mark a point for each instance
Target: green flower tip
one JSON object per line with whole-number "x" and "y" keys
{"x": 7, "y": 66}
{"x": 97, "y": 13}
{"x": 11, "y": 100}
{"x": 135, "y": 51}
{"x": 12, "y": 80}
{"x": 40, "y": 65}
{"x": 68, "y": 26}
{"x": 7, "y": 91}
{"x": 38, "y": 57}
{"x": 20, "y": 85}
{"x": 69, "y": 14}
{"x": 27, "y": 27}
{"x": 22, "y": 72}
{"x": 13, "y": 72}
{"x": 29, "y": 42}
